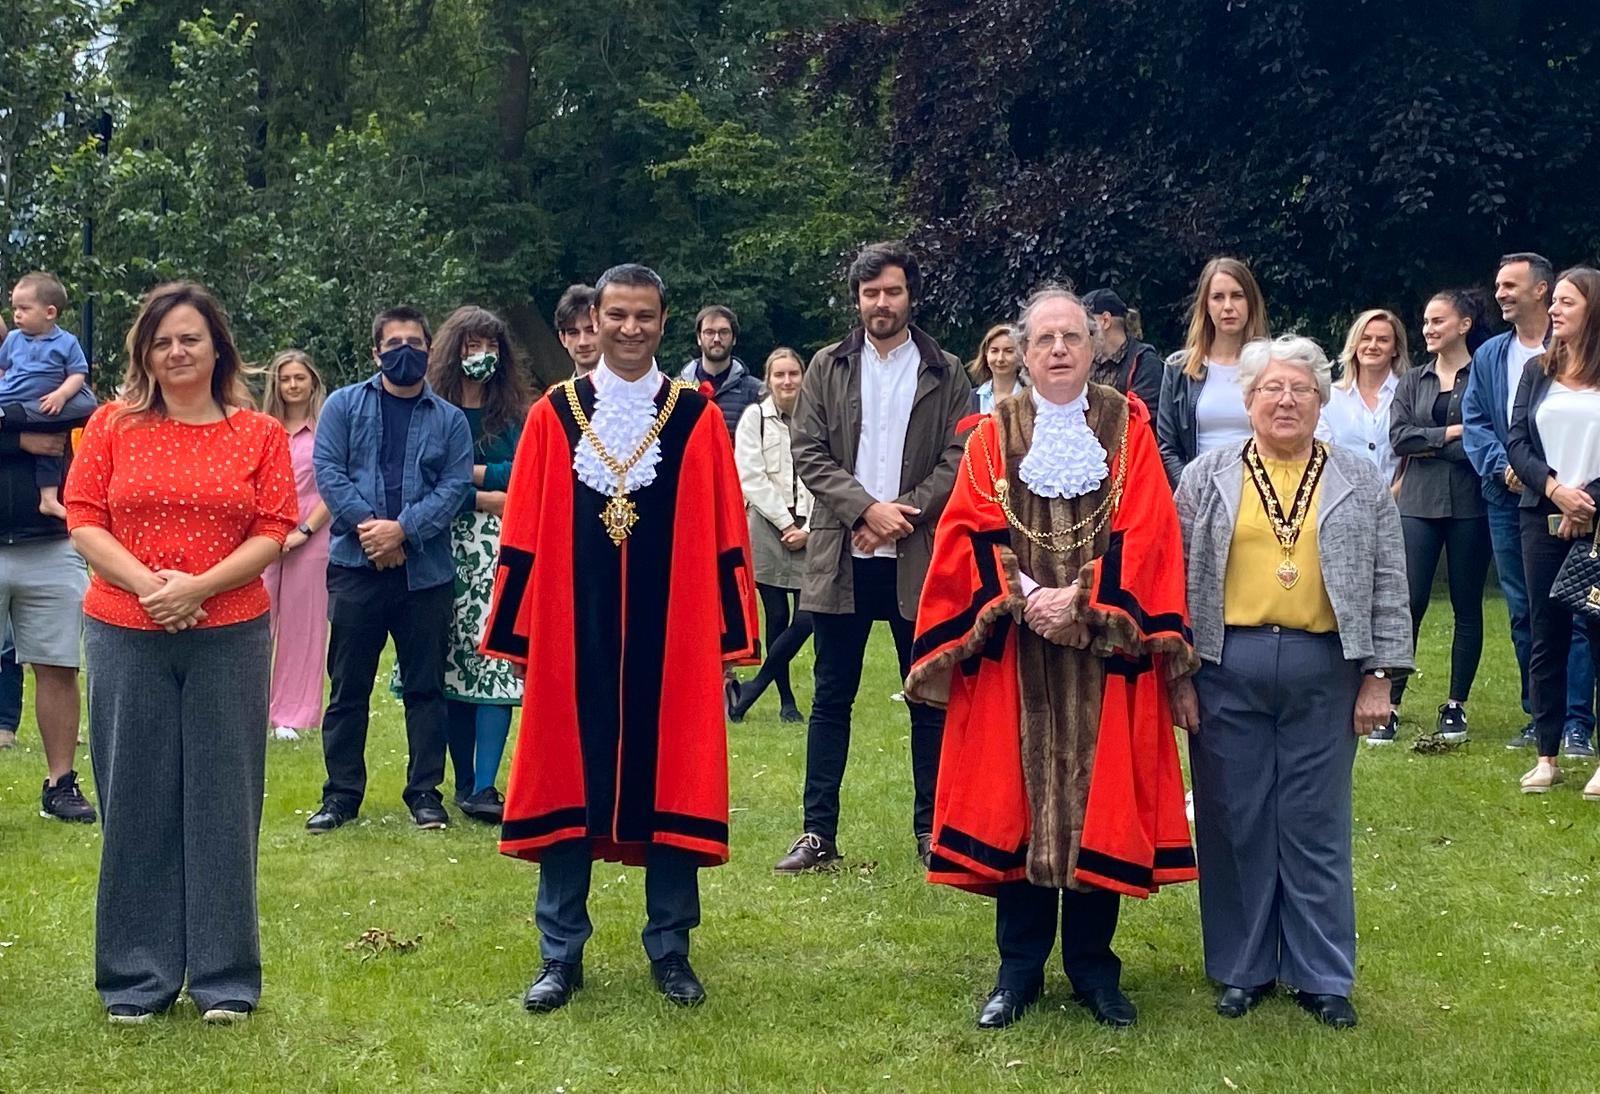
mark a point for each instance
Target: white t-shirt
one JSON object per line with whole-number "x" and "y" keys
{"x": 1517, "y": 356}
{"x": 1569, "y": 426}
{"x": 1220, "y": 419}
{"x": 888, "y": 389}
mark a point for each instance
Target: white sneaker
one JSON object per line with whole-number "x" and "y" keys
{"x": 1188, "y": 806}
{"x": 284, "y": 733}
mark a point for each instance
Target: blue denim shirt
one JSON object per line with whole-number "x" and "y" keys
{"x": 438, "y": 473}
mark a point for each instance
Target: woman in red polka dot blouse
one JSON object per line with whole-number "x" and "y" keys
{"x": 178, "y": 497}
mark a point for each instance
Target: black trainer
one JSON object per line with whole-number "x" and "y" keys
{"x": 1575, "y": 743}
{"x": 127, "y": 1014}
{"x": 64, "y": 801}
{"x": 428, "y": 814}
{"x": 487, "y": 805}
{"x": 1385, "y": 734}
{"x": 1452, "y": 725}
{"x": 1527, "y": 737}
{"x": 332, "y": 815}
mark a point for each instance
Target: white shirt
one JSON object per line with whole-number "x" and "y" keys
{"x": 888, "y": 388}
{"x": 1348, "y": 422}
{"x": 1569, "y": 426}
{"x": 1220, "y": 419}
{"x": 624, "y": 411}
{"x": 1517, "y": 356}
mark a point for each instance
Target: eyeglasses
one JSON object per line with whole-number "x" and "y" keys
{"x": 722, "y": 334}
{"x": 1274, "y": 390}
{"x": 1071, "y": 339}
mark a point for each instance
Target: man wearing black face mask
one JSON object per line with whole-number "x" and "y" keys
{"x": 393, "y": 461}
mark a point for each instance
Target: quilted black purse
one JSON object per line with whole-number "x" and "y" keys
{"x": 1577, "y": 583}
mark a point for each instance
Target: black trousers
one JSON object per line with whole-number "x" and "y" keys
{"x": 786, "y": 636}
{"x": 1025, "y": 920}
{"x": 366, "y": 608}
{"x": 1465, "y": 543}
{"x": 841, "y": 647}
{"x": 1552, "y": 626}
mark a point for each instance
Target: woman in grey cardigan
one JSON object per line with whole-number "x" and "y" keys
{"x": 1297, "y": 598}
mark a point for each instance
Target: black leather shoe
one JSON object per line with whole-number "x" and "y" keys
{"x": 1237, "y": 1002}
{"x": 730, "y": 700}
{"x": 1109, "y": 1007}
{"x": 329, "y": 817}
{"x": 429, "y": 814}
{"x": 925, "y": 850}
{"x": 552, "y": 989}
{"x": 1330, "y": 1010}
{"x": 677, "y": 981}
{"x": 1005, "y": 1006}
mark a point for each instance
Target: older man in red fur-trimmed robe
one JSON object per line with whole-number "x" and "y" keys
{"x": 624, "y": 587}
{"x": 1052, "y": 618}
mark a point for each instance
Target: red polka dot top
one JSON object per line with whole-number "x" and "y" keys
{"x": 181, "y": 497}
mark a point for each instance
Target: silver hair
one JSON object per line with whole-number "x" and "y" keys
{"x": 1286, "y": 349}
{"x": 1049, "y": 291}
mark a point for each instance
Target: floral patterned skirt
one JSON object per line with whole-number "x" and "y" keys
{"x": 468, "y": 675}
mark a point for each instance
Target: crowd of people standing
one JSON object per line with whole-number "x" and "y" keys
{"x": 1054, "y": 614}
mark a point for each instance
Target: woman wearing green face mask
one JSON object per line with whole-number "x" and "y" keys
{"x": 472, "y": 364}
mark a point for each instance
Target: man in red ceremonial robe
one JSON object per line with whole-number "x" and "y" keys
{"x": 624, "y": 587}
{"x": 1051, "y": 622}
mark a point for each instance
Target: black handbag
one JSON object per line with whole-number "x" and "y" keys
{"x": 1577, "y": 584}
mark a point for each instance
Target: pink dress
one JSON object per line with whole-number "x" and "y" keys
{"x": 298, "y": 587}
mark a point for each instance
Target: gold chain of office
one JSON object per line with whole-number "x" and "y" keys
{"x": 620, "y": 515}
{"x": 1059, "y": 541}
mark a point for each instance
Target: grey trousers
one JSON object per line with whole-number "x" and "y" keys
{"x": 1272, "y": 775}
{"x": 671, "y": 901}
{"x": 177, "y": 735}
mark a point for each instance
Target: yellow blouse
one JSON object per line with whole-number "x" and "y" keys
{"x": 1252, "y": 595}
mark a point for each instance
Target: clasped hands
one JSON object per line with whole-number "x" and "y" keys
{"x": 1577, "y": 510}
{"x": 383, "y": 542}
{"x": 884, "y": 522}
{"x": 1052, "y": 614}
{"x": 173, "y": 600}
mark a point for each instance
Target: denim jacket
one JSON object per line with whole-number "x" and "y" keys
{"x": 438, "y": 472}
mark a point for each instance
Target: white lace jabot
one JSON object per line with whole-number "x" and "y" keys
{"x": 624, "y": 410}
{"x": 1065, "y": 459}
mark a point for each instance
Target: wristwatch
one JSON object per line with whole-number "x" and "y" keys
{"x": 306, "y": 530}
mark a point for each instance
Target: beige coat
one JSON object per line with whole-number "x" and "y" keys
{"x": 827, "y": 432}
{"x": 774, "y": 498}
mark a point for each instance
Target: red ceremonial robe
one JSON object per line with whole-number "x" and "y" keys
{"x": 623, "y": 740}
{"x": 1134, "y": 835}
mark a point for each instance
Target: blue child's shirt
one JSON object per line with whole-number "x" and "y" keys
{"x": 36, "y": 366}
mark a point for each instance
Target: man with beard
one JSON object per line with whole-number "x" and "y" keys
{"x": 624, "y": 551}
{"x": 874, "y": 440}
{"x": 1121, "y": 360}
{"x": 716, "y": 330}
{"x": 1053, "y": 618}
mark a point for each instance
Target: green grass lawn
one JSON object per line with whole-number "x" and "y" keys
{"x": 1479, "y": 962}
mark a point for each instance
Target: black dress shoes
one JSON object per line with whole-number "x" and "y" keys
{"x": 329, "y": 817}
{"x": 552, "y": 989}
{"x": 1005, "y": 1006}
{"x": 1330, "y": 1010}
{"x": 925, "y": 850}
{"x": 677, "y": 981}
{"x": 1237, "y": 1002}
{"x": 1109, "y": 1007}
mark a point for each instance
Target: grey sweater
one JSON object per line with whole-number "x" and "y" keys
{"x": 1359, "y": 546}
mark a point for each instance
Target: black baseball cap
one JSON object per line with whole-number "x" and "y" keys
{"x": 1104, "y": 300}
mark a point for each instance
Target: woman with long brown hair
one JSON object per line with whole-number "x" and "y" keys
{"x": 1554, "y": 450}
{"x": 179, "y": 496}
{"x": 473, "y": 364}
{"x": 298, "y": 581}
{"x": 1202, "y": 406}
{"x": 997, "y": 369}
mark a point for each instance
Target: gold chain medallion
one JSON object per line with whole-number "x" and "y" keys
{"x": 1286, "y": 529}
{"x": 620, "y": 514}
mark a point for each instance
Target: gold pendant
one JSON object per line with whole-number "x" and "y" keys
{"x": 619, "y": 516}
{"x": 1288, "y": 573}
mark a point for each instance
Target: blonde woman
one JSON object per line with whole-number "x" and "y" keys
{"x": 1202, "y": 406}
{"x": 297, "y": 582}
{"x": 1375, "y": 356}
{"x": 997, "y": 369}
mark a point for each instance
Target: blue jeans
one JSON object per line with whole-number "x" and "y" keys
{"x": 1506, "y": 536}
{"x": 10, "y": 687}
